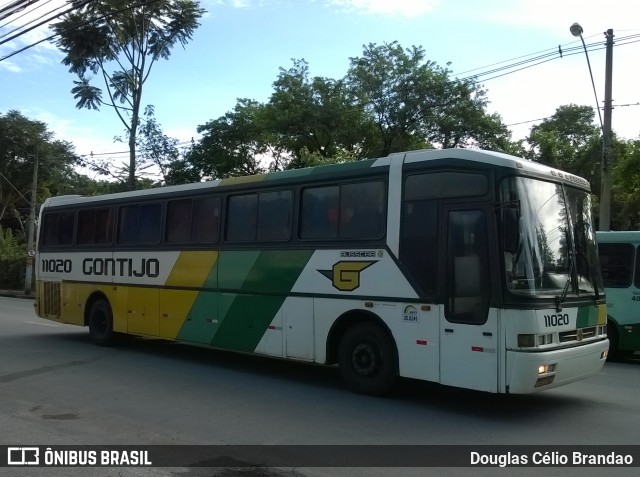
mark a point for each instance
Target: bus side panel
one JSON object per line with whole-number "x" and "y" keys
{"x": 71, "y": 312}
{"x": 414, "y": 329}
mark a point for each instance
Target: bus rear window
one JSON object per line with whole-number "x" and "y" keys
{"x": 58, "y": 229}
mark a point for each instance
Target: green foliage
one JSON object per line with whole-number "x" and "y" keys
{"x": 119, "y": 41}
{"x": 12, "y": 271}
{"x": 9, "y": 246}
{"x": 625, "y": 178}
{"x": 313, "y": 159}
{"x": 22, "y": 142}
{"x": 568, "y": 140}
{"x": 390, "y": 100}
{"x": 231, "y": 145}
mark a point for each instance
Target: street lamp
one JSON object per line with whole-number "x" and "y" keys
{"x": 607, "y": 147}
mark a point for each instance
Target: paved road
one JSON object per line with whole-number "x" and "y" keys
{"x": 56, "y": 388}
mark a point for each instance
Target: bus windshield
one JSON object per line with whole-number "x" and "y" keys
{"x": 555, "y": 253}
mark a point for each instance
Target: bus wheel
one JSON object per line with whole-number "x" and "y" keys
{"x": 101, "y": 323}
{"x": 367, "y": 359}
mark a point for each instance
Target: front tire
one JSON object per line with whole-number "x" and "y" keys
{"x": 101, "y": 323}
{"x": 367, "y": 359}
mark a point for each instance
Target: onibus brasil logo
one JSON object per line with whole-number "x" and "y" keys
{"x": 345, "y": 275}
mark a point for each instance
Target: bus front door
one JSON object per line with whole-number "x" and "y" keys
{"x": 468, "y": 326}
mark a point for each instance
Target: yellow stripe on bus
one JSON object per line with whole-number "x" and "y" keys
{"x": 602, "y": 314}
{"x": 192, "y": 269}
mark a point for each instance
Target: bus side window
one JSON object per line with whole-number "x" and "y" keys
{"x": 319, "y": 214}
{"x": 242, "y": 215}
{"x": 205, "y": 223}
{"x": 178, "y": 221}
{"x": 616, "y": 262}
{"x": 362, "y": 210}
{"x": 275, "y": 212}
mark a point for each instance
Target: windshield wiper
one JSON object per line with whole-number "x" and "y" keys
{"x": 592, "y": 277}
{"x": 563, "y": 296}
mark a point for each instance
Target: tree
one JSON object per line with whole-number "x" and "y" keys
{"x": 317, "y": 115}
{"x": 231, "y": 145}
{"x": 625, "y": 175}
{"x": 120, "y": 40}
{"x": 22, "y": 142}
{"x": 415, "y": 104}
{"x": 569, "y": 140}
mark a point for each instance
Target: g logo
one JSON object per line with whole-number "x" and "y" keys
{"x": 345, "y": 275}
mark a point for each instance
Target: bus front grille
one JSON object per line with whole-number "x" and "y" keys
{"x": 51, "y": 298}
{"x": 578, "y": 334}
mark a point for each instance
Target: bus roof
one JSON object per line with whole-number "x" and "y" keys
{"x": 423, "y": 155}
{"x": 616, "y": 236}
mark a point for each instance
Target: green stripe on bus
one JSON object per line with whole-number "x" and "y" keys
{"x": 203, "y": 320}
{"x": 587, "y": 316}
{"x": 249, "y": 315}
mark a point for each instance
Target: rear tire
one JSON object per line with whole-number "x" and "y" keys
{"x": 367, "y": 359}
{"x": 101, "y": 323}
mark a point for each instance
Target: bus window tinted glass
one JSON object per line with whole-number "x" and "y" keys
{"x": 178, "y": 221}
{"x": 362, "y": 210}
{"x": 58, "y": 229}
{"x": 139, "y": 224}
{"x": 205, "y": 224}
{"x": 442, "y": 185}
{"x": 319, "y": 215}
{"x": 94, "y": 226}
{"x": 242, "y": 218}
{"x": 150, "y": 223}
{"x": 419, "y": 241}
{"x": 616, "y": 262}
{"x": 275, "y": 210}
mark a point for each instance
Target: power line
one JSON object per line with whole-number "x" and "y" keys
{"x": 13, "y": 20}
{"x": 537, "y": 58}
{"x": 57, "y": 15}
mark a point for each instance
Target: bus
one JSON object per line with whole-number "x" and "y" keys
{"x": 621, "y": 275}
{"x": 467, "y": 268}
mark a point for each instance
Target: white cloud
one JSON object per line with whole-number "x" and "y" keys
{"x": 557, "y": 16}
{"x": 11, "y": 67}
{"x": 406, "y": 8}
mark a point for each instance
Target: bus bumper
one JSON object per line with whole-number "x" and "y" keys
{"x": 565, "y": 366}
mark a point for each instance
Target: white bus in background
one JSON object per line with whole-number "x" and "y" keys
{"x": 463, "y": 267}
{"x": 621, "y": 274}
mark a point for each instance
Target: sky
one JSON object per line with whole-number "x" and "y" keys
{"x": 241, "y": 44}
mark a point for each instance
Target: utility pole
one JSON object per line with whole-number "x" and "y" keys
{"x": 607, "y": 139}
{"x": 32, "y": 223}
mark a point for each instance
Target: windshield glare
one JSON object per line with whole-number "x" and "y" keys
{"x": 556, "y": 249}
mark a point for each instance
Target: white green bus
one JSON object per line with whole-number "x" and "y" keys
{"x": 462, "y": 267}
{"x": 621, "y": 274}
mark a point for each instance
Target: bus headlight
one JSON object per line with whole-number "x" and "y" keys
{"x": 533, "y": 340}
{"x": 526, "y": 341}
{"x": 546, "y": 368}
